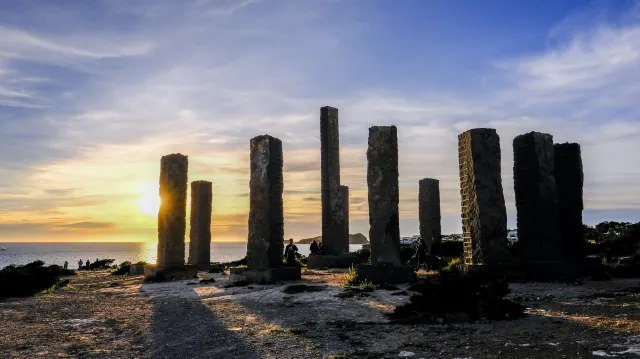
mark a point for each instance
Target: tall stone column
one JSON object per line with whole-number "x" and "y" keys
{"x": 382, "y": 181}
{"x": 332, "y": 211}
{"x": 266, "y": 218}
{"x": 344, "y": 193}
{"x": 429, "y": 213}
{"x": 173, "y": 210}
{"x": 569, "y": 182}
{"x": 536, "y": 197}
{"x": 484, "y": 215}
{"x": 200, "y": 234}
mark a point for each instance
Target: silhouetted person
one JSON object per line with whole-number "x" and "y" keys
{"x": 80, "y": 264}
{"x": 290, "y": 253}
{"x": 66, "y": 265}
{"x": 88, "y": 264}
{"x": 314, "y": 248}
{"x": 421, "y": 255}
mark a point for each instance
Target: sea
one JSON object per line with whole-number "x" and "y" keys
{"x": 58, "y": 253}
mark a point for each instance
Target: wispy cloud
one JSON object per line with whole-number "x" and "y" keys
{"x": 112, "y": 102}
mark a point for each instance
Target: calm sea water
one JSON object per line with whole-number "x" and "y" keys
{"x": 57, "y": 253}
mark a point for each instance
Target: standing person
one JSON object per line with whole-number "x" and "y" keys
{"x": 320, "y": 250}
{"x": 66, "y": 265}
{"x": 80, "y": 264}
{"x": 421, "y": 255}
{"x": 313, "y": 248}
{"x": 290, "y": 253}
{"x": 88, "y": 264}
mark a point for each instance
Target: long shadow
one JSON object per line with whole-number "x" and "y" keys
{"x": 186, "y": 328}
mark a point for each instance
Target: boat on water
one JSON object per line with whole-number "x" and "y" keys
{"x": 3, "y": 248}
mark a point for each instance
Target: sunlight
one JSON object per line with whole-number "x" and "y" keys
{"x": 149, "y": 201}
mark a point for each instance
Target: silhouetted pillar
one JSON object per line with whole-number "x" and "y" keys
{"x": 266, "y": 218}
{"x": 200, "y": 234}
{"x": 429, "y": 213}
{"x": 172, "y": 212}
{"x": 536, "y": 197}
{"x": 569, "y": 182}
{"x": 484, "y": 215}
{"x": 382, "y": 181}
{"x": 332, "y": 211}
{"x": 344, "y": 193}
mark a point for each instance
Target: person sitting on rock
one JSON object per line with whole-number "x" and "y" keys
{"x": 421, "y": 255}
{"x": 314, "y": 248}
{"x": 290, "y": 253}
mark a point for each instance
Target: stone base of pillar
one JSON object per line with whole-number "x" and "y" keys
{"x": 511, "y": 271}
{"x": 381, "y": 274}
{"x": 320, "y": 261}
{"x": 136, "y": 269}
{"x": 264, "y": 275}
{"x": 170, "y": 273}
{"x": 544, "y": 271}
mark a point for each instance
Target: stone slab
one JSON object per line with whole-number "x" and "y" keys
{"x": 265, "y": 275}
{"x": 320, "y": 261}
{"x": 136, "y": 269}
{"x": 186, "y": 271}
{"x": 380, "y": 274}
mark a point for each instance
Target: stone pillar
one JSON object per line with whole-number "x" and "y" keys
{"x": 382, "y": 181}
{"x": 484, "y": 215}
{"x": 344, "y": 193}
{"x": 429, "y": 213}
{"x": 200, "y": 234}
{"x": 569, "y": 182}
{"x": 173, "y": 210}
{"x": 265, "y": 245}
{"x": 536, "y": 197}
{"x": 332, "y": 211}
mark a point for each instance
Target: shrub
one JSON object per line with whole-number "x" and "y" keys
{"x": 29, "y": 279}
{"x": 123, "y": 269}
{"x": 350, "y": 278}
{"x": 453, "y": 265}
{"x": 364, "y": 255}
{"x": 366, "y": 286}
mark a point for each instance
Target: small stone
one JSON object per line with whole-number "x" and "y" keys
{"x": 440, "y": 320}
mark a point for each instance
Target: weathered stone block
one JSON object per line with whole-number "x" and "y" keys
{"x": 320, "y": 261}
{"x": 569, "y": 182}
{"x": 265, "y": 275}
{"x": 484, "y": 215}
{"x": 536, "y": 197}
{"x": 173, "y": 210}
{"x": 344, "y": 193}
{"x": 136, "y": 269}
{"x": 266, "y": 218}
{"x": 429, "y": 213}
{"x": 332, "y": 210}
{"x": 200, "y": 233}
{"x": 179, "y": 272}
{"x": 382, "y": 181}
{"x": 390, "y": 274}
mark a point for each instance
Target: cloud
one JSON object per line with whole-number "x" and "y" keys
{"x": 90, "y": 110}
{"x": 87, "y": 225}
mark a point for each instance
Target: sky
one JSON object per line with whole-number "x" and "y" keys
{"x": 93, "y": 93}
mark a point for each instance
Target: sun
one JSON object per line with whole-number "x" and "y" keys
{"x": 149, "y": 201}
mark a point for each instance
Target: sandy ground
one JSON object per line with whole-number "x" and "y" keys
{"x": 102, "y": 316}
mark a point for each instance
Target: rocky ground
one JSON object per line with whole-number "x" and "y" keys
{"x": 102, "y": 316}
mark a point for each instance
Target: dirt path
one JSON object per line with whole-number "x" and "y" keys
{"x": 101, "y": 316}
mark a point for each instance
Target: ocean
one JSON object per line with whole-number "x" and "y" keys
{"x": 58, "y": 253}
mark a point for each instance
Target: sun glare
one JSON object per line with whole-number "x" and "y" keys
{"x": 149, "y": 201}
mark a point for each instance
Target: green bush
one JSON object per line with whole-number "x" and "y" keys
{"x": 29, "y": 279}
{"x": 453, "y": 265}
{"x": 366, "y": 286}
{"x": 123, "y": 269}
{"x": 350, "y": 278}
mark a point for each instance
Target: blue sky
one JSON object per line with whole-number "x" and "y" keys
{"x": 92, "y": 94}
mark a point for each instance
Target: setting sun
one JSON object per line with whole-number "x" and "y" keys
{"x": 149, "y": 201}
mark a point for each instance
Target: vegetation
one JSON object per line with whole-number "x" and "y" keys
{"x": 366, "y": 286}
{"x": 473, "y": 294}
{"x": 364, "y": 254}
{"x": 30, "y": 279}
{"x": 124, "y": 267}
{"x": 454, "y": 265}
{"x": 350, "y": 278}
